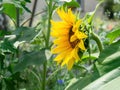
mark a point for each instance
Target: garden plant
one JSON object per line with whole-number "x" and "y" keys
{"x": 60, "y": 51}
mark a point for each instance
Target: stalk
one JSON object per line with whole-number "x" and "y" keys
{"x": 49, "y": 24}
{"x": 98, "y": 41}
{"x": 33, "y": 12}
{"x": 47, "y": 42}
{"x": 44, "y": 75}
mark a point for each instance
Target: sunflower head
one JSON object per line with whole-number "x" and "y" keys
{"x": 68, "y": 38}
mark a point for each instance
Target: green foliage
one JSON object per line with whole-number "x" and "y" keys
{"x": 107, "y": 67}
{"x": 27, "y": 63}
{"x": 71, "y": 4}
{"x": 103, "y": 81}
{"x": 8, "y": 7}
{"x": 78, "y": 83}
{"x": 109, "y": 58}
{"x": 30, "y": 58}
{"x": 25, "y": 33}
{"x": 114, "y": 34}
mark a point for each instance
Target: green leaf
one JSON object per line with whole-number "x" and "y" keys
{"x": 7, "y": 47}
{"x": 112, "y": 85}
{"x": 114, "y": 34}
{"x": 108, "y": 66}
{"x": 26, "y": 8}
{"x": 109, "y": 58}
{"x": 10, "y": 10}
{"x": 78, "y": 84}
{"x": 103, "y": 80}
{"x": 25, "y": 33}
{"x": 73, "y": 3}
{"x": 92, "y": 57}
{"x": 30, "y": 58}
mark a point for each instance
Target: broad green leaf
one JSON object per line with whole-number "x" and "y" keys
{"x": 7, "y": 47}
{"x": 92, "y": 57}
{"x": 25, "y": 33}
{"x": 103, "y": 80}
{"x": 114, "y": 34}
{"x": 73, "y": 3}
{"x": 109, "y": 58}
{"x": 112, "y": 85}
{"x": 10, "y": 10}
{"x": 78, "y": 84}
{"x": 31, "y": 58}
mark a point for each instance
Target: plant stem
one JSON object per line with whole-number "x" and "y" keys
{"x": 98, "y": 41}
{"x": 89, "y": 49}
{"x": 50, "y": 10}
{"x": 33, "y": 12}
{"x": 44, "y": 75}
{"x": 49, "y": 25}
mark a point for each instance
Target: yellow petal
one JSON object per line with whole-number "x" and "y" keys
{"x": 76, "y": 26}
{"x": 68, "y": 17}
{"x": 61, "y": 40}
{"x": 73, "y": 38}
{"x": 80, "y": 35}
{"x": 70, "y": 64}
{"x": 62, "y": 55}
{"x": 81, "y": 45}
{"x": 75, "y": 53}
{"x": 62, "y": 13}
{"x": 60, "y": 48}
{"x": 72, "y": 17}
{"x": 60, "y": 24}
{"x": 67, "y": 58}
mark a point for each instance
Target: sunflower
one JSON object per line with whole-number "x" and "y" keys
{"x": 68, "y": 39}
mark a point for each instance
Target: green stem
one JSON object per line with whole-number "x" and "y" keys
{"x": 93, "y": 13}
{"x": 98, "y": 41}
{"x": 44, "y": 75}
{"x": 49, "y": 24}
{"x": 50, "y": 10}
{"x": 89, "y": 49}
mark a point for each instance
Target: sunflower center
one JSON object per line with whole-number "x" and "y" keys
{"x": 75, "y": 42}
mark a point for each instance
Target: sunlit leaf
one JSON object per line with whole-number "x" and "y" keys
{"x": 103, "y": 80}
{"x": 71, "y": 4}
{"x": 10, "y": 10}
{"x": 112, "y": 85}
{"x": 109, "y": 58}
{"x": 114, "y": 34}
{"x": 78, "y": 84}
